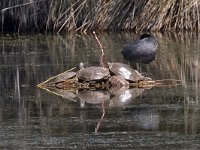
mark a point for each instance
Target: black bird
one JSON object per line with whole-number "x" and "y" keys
{"x": 142, "y": 50}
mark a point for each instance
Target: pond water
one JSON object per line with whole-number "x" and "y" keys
{"x": 166, "y": 117}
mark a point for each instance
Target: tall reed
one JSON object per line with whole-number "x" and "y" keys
{"x": 87, "y": 15}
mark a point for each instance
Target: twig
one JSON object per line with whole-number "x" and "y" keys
{"x": 103, "y": 61}
{"x": 101, "y": 119}
{"x": 101, "y": 47}
{"x": 168, "y": 82}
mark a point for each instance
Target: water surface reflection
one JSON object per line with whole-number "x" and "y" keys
{"x": 160, "y": 117}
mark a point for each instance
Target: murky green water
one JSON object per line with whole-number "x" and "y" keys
{"x": 157, "y": 118}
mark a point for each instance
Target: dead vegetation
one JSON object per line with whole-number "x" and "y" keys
{"x": 87, "y": 15}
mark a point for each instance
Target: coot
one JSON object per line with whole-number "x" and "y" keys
{"x": 142, "y": 50}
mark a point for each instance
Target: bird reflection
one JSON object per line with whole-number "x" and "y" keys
{"x": 145, "y": 118}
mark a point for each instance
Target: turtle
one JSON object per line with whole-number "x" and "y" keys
{"x": 126, "y": 72}
{"x": 59, "y": 80}
{"x": 65, "y": 80}
{"x": 64, "y": 76}
{"x": 93, "y": 73}
{"x": 118, "y": 81}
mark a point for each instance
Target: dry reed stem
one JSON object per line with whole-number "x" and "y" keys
{"x": 87, "y": 15}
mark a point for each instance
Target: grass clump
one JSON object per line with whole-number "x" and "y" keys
{"x": 89, "y": 15}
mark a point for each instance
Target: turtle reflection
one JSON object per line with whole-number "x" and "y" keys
{"x": 114, "y": 97}
{"x": 93, "y": 97}
{"x": 69, "y": 95}
{"x": 124, "y": 96}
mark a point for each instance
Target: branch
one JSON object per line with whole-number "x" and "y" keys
{"x": 103, "y": 61}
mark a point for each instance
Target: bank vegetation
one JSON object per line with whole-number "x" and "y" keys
{"x": 88, "y": 15}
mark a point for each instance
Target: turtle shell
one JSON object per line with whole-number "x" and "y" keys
{"x": 61, "y": 77}
{"x": 64, "y": 76}
{"x": 118, "y": 81}
{"x": 125, "y": 71}
{"x": 93, "y": 73}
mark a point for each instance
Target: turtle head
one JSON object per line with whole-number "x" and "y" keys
{"x": 81, "y": 65}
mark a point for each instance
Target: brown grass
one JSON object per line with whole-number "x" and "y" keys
{"x": 87, "y": 15}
